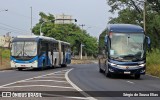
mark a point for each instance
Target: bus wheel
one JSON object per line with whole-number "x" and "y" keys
{"x": 20, "y": 69}
{"x": 64, "y": 65}
{"x": 100, "y": 70}
{"x": 107, "y": 74}
{"x": 137, "y": 76}
{"x": 43, "y": 65}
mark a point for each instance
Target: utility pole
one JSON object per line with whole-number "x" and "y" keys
{"x": 31, "y": 20}
{"x": 80, "y": 54}
{"x": 82, "y": 26}
{"x": 144, "y": 16}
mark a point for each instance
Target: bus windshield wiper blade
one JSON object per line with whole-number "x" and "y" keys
{"x": 135, "y": 58}
{"x": 117, "y": 58}
{"x": 27, "y": 55}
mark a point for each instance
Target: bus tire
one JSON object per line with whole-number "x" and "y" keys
{"x": 55, "y": 61}
{"x": 100, "y": 70}
{"x": 137, "y": 76}
{"x": 20, "y": 69}
{"x": 107, "y": 74}
{"x": 43, "y": 65}
{"x": 64, "y": 65}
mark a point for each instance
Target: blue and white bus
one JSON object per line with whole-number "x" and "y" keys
{"x": 39, "y": 52}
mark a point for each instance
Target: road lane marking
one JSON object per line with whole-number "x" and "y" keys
{"x": 130, "y": 82}
{"x": 59, "y": 74}
{"x": 53, "y": 77}
{"x": 44, "y": 81}
{"x": 27, "y": 79}
{"x": 81, "y": 98}
{"x": 6, "y": 71}
{"x": 39, "y": 86}
{"x": 77, "y": 88}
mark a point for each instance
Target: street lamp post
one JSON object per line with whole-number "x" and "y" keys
{"x": 81, "y": 50}
{"x": 4, "y": 10}
{"x": 41, "y": 34}
{"x": 144, "y": 16}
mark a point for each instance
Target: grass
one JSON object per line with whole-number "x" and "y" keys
{"x": 153, "y": 62}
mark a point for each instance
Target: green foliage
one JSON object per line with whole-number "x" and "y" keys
{"x": 153, "y": 62}
{"x": 5, "y": 53}
{"x": 67, "y": 32}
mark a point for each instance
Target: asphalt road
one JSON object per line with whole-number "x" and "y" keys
{"x": 88, "y": 78}
{"x": 84, "y": 78}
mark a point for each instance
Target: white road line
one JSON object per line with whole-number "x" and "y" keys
{"x": 43, "y": 81}
{"x": 77, "y": 88}
{"x": 59, "y": 74}
{"x": 38, "y": 86}
{"x": 52, "y": 77}
{"x": 81, "y": 98}
{"x": 6, "y": 70}
{"x": 152, "y": 76}
{"x": 130, "y": 82}
{"x": 27, "y": 79}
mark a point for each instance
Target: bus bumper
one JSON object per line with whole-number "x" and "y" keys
{"x": 24, "y": 65}
{"x": 129, "y": 71}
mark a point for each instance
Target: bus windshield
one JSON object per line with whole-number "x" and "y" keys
{"x": 127, "y": 46}
{"x": 24, "y": 49}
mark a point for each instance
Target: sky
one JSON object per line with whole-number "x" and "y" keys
{"x": 17, "y": 20}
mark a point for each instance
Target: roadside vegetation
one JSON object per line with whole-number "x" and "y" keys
{"x": 153, "y": 63}
{"x": 4, "y": 58}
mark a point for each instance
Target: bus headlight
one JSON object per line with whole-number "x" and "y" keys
{"x": 142, "y": 65}
{"x": 112, "y": 64}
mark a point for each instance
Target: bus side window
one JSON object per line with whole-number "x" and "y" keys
{"x": 55, "y": 47}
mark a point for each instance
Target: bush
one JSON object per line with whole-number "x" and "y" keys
{"x": 5, "y": 53}
{"x": 153, "y": 62}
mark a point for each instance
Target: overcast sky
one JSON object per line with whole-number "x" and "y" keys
{"x": 17, "y": 20}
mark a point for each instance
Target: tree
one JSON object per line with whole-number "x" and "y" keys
{"x": 67, "y": 32}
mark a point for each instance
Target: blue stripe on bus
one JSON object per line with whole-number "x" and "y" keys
{"x": 43, "y": 58}
{"x": 68, "y": 58}
{"x": 26, "y": 61}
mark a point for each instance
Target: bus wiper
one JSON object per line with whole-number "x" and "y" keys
{"x": 27, "y": 55}
{"x": 130, "y": 55}
{"x": 117, "y": 58}
{"x": 20, "y": 53}
{"x": 135, "y": 58}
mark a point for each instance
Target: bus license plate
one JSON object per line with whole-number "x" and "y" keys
{"x": 127, "y": 72}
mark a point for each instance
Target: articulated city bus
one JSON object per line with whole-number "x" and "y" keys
{"x": 39, "y": 52}
{"x": 122, "y": 50}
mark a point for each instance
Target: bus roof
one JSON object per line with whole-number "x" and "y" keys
{"x": 64, "y": 43}
{"x": 125, "y": 28}
{"x": 33, "y": 38}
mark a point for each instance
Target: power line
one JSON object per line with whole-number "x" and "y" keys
{"x": 12, "y": 27}
{"x": 19, "y": 14}
{"x": 12, "y": 30}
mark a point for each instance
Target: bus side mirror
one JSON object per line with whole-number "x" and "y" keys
{"x": 106, "y": 40}
{"x": 148, "y": 42}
